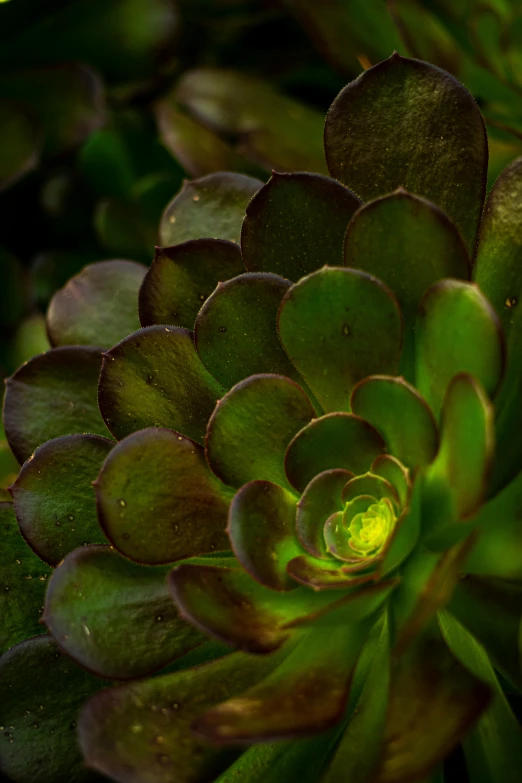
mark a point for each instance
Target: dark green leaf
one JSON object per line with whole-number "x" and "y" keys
{"x": 182, "y": 277}
{"x": 276, "y": 132}
{"x": 337, "y": 440}
{"x": 227, "y": 603}
{"x": 497, "y": 272}
{"x": 338, "y": 326}
{"x": 158, "y": 501}
{"x": 199, "y": 150}
{"x": 41, "y": 691}
{"x": 491, "y": 610}
{"x": 22, "y": 583}
{"x": 455, "y": 483}
{"x": 296, "y": 224}
{"x": 261, "y": 526}
{"x": 144, "y": 729}
{"x": 53, "y": 497}
{"x": 321, "y": 498}
{"x": 235, "y": 331}
{"x": 408, "y": 243}
{"x": 453, "y": 319}
{"x": 155, "y": 378}
{"x": 52, "y": 394}
{"x": 251, "y": 427}
{"x": 308, "y": 692}
{"x": 97, "y": 600}
{"x": 213, "y": 206}
{"x": 493, "y": 748}
{"x": 402, "y": 417}
{"x": 407, "y": 123}
{"x": 433, "y": 702}
{"x": 97, "y": 307}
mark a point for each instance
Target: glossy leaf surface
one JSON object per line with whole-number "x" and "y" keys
{"x": 53, "y": 497}
{"x": 119, "y": 730}
{"x": 96, "y": 597}
{"x": 321, "y": 498}
{"x": 182, "y": 277}
{"x": 314, "y": 674}
{"x": 497, "y": 272}
{"x": 97, "y": 307}
{"x": 251, "y": 427}
{"x": 453, "y": 317}
{"x": 284, "y": 227}
{"x": 400, "y": 415}
{"x": 235, "y": 331}
{"x": 414, "y": 118}
{"x": 339, "y": 326}
{"x": 53, "y": 394}
{"x": 155, "y": 378}
{"x": 158, "y": 501}
{"x": 261, "y": 526}
{"x": 337, "y": 440}
{"x": 212, "y": 206}
{"x": 22, "y": 583}
{"x": 409, "y": 244}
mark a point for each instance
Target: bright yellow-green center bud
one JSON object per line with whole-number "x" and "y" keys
{"x": 369, "y": 530}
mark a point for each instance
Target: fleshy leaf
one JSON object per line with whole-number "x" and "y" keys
{"x": 97, "y": 307}
{"x": 261, "y": 526}
{"x": 433, "y": 702}
{"x": 182, "y": 277}
{"x": 96, "y": 599}
{"x": 41, "y": 691}
{"x": 155, "y": 378}
{"x": 123, "y": 737}
{"x": 199, "y": 150}
{"x": 400, "y": 414}
{"x": 357, "y": 753}
{"x": 369, "y": 484}
{"x": 493, "y": 747}
{"x": 497, "y": 272}
{"x": 158, "y": 501}
{"x": 52, "y": 394}
{"x": 235, "y": 331}
{"x": 409, "y": 244}
{"x": 321, "y": 498}
{"x": 53, "y": 497}
{"x": 284, "y": 228}
{"x": 306, "y": 693}
{"x": 227, "y": 603}
{"x": 454, "y": 317}
{"x": 337, "y": 440}
{"x": 275, "y": 131}
{"x": 491, "y": 611}
{"x": 251, "y": 427}
{"x": 338, "y": 326}
{"x": 428, "y": 581}
{"x": 455, "y": 483}
{"x": 393, "y": 471}
{"x": 404, "y": 123}
{"x": 327, "y": 574}
{"x": 19, "y": 143}
{"x": 22, "y": 584}
{"x": 498, "y": 548}
{"x": 212, "y": 206}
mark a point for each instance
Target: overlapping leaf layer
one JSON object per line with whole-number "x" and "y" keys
{"x": 285, "y": 511}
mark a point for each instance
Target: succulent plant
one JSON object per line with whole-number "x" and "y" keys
{"x": 304, "y": 533}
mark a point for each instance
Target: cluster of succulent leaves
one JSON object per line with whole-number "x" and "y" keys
{"x": 89, "y": 180}
{"x": 301, "y": 426}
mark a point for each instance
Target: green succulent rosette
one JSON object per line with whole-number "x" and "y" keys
{"x": 301, "y": 432}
